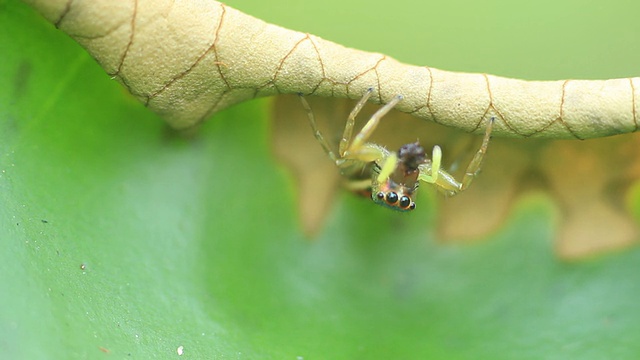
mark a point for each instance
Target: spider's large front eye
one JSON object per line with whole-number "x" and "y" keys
{"x": 405, "y": 201}
{"x": 392, "y": 198}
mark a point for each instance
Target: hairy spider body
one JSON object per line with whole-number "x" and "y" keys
{"x": 391, "y": 178}
{"x": 396, "y": 191}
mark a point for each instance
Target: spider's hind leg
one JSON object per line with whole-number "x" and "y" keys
{"x": 316, "y": 131}
{"x": 446, "y": 182}
{"x": 474, "y": 166}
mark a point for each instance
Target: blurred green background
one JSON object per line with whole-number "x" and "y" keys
{"x": 535, "y": 40}
{"x": 121, "y": 239}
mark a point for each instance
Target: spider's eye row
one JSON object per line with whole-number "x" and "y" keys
{"x": 405, "y": 202}
{"x": 392, "y": 198}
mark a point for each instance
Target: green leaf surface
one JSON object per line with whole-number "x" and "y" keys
{"x": 123, "y": 239}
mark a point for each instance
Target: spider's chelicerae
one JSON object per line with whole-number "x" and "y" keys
{"x": 391, "y": 178}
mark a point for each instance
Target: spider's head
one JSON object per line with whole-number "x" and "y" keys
{"x": 395, "y": 182}
{"x": 395, "y": 199}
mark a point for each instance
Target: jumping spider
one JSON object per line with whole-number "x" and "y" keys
{"x": 391, "y": 178}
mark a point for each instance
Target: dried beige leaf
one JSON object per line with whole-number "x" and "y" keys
{"x": 186, "y": 60}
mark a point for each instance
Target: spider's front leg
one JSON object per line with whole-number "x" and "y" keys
{"x": 358, "y": 149}
{"x": 434, "y": 174}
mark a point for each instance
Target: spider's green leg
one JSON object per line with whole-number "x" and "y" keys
{"x": 348, "y": 129}
{"x": 445, "y": 181}
{"x": 436, "y": 163}
{"x": 316, "y": 131}
{"x": 388, "y": 167}
{"x": 476, "y": 162}
{"x": 371, "y": 125}
{"x": 366, "y": 153}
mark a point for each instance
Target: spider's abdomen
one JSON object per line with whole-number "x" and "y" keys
{"x": 410, "y": 156}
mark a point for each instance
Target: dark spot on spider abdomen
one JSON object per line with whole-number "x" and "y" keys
{"x": 412, "y": 155}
